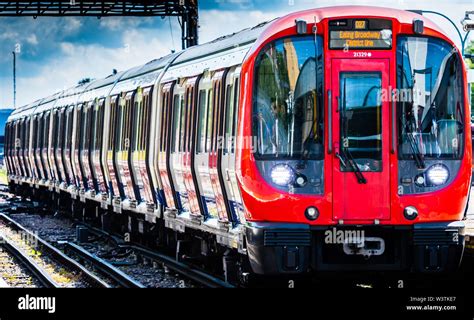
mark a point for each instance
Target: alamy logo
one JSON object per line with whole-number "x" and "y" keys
{"x": 335, "y": 236}
{"x": 37, "y": 303}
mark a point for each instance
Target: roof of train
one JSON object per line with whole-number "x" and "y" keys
{"x": 246, "y": 36}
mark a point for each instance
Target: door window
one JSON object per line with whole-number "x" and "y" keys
{"x": 361, "y": 120}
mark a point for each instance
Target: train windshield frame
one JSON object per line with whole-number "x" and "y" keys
{"x": 288, "y": 99}
{"x": 431, "y": 127}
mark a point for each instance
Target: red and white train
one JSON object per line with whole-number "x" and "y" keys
{"x": 272, "y": 146}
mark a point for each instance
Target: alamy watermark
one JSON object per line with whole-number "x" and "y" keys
{"x": 339, "y": 236}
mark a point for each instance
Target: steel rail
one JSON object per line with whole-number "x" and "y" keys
{"x": 56, "y": 254}
{"x": 182, "y": 268}
{"x": 39, "y": 273}
{"x": 103, "y": 266}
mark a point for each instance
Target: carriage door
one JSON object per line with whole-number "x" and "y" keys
{"x": 360, "y": 109}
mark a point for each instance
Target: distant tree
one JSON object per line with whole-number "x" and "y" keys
{"x": 470, "y": 50}
{"x": 470, "y": 63}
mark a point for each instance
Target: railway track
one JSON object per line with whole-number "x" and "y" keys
{"x": 102, "y": 266}
{"x": 112, "y": 274}
{"x": 186, "y": 270}
{"x": 35, "y": 270}
{"x": 51, "y": 266}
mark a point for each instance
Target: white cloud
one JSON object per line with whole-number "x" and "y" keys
{"x": 71, "y": 25}
{"x": 76, "y": 62}
{"x": 32, "y": 39}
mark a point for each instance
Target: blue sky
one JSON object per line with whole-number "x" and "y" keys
{"x": 55, "y": 53}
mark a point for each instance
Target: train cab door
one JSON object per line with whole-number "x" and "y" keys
{"x": 67, "y": 147}
{"x": 76, "y": 147}
{"x": 165, "y": 147}
{"x": 58, "y": 151}
{"x": 123, "y": 146}
{"x": 53, "y": 137}
{"x": 140, "y": 134}
{"x": 202, "y": 148}
{"x": 178, "y": 134}
{"x": 361, "y": 139}
{"x": 215, "y": 152}
{"x": 187, "y": 159}
{"x": 32, "y": 151}
{"x": 45, "y": 145}
{"x": 228, "y": 161}
{"x": 87, "y": 120}
{"x": 39, "y": 146}
{"x": 98, "y": 172}
{"x": 21, "y": 147}
{"x": 112, "y": 143}
{"x": 7, "y": 149}
{"x": 26, "y": 146}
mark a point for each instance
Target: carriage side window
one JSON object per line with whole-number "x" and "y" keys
{"x": 137, "y": 123}
{"x": 54, "y": 128}
{"x": 288, "y": 104}
{"x": 124, "y": 130}
{"x": 216, "y": 120}
{"x": 210, "y": 119}
{"x": 124, "y": 118}
{"x": 27, "y": 135}
{"x": 148, "y": 118}
{"x": 22, "y": 128}
{"x": 236, "y": 114}
{"x": 99, "y": 128}
{"x": 78, "y": 127}
{"x": 34, "y": 136}
{"x": 46, "y": 130}
{"x": 39, "y": 133}
{"x": 146, "y": 121}
{"x": 430, "y": 99}
{"x": 69, "y": 124}
{"x": 176, "y": 128}
{"x": 201, "y": 128}
{"x": 112, "y": 123}
{"x": 229, "y": 113}
{"x": 141, "y": 128}
{"x": 189, "y": 116}
{"x": 127, "y": 124}
{"x": 182, "y": 127}
{"x": 59, "y": 136}
{"x": 86, "y": 127}
{"x": 164, "y": 117}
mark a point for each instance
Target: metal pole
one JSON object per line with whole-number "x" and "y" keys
{"x": 14, "y": 79}
{"x": 463, "y": 39}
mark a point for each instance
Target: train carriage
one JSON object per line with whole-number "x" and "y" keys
{"x": 264, "y": 145}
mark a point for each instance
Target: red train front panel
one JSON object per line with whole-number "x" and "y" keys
{"x": 361, "y": 126}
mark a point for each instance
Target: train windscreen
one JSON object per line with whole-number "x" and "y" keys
{"x": 288, "y": 99}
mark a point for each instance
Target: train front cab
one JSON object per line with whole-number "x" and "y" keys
{"x": 349, "y": 172}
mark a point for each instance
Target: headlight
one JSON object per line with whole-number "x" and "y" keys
{"x": 438, "y": 174}
{"x": 282, "y": 175}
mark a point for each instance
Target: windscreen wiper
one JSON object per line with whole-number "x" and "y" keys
{"x": 346, "y": 157}
{"x": 415, "y": 151}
